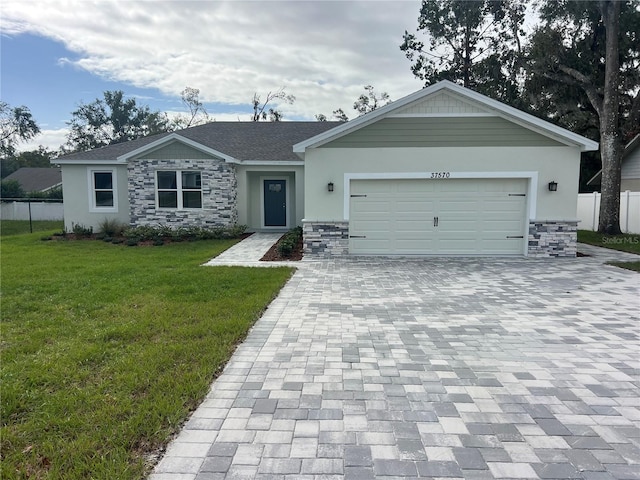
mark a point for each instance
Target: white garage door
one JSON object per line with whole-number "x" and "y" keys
{"x": 437, "y": 217}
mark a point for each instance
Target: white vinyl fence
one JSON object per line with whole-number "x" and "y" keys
{"x": 589, "y": 211}
{"x": 39, "y": 210}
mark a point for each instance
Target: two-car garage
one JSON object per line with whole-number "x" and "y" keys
{"x": 444, "y": 171}
{"x": 440, "y": 216}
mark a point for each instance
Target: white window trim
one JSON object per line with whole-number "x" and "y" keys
{"x": 93, "y": 208}
{"x": 179, "y": 189}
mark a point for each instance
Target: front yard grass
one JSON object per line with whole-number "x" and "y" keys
{"x": 628, "y": 242}
{"x": 17, "y": 227}
{"x": 106, "y": 349}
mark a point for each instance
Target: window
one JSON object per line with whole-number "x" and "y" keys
{"x": 178, "y": 189}
{"x": 102, "y": 190}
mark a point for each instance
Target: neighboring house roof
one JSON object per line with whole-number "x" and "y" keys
{"x": 36, "y": 179}
{"x": 240, "y": 141}
{"x": 630, "y": 147}
{"x": 484, "y": 103}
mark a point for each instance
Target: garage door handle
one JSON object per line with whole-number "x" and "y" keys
{"x": 357, "y": 196}
{"x": 515, "y": 236}
{"x": 435, "y": 221}
{"x": 357, "y": 236}
{"x": 517, "y": 194}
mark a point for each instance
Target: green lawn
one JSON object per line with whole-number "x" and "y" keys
{"x": 16, "y": 227}
{"x": 628, "y": 242}
{"x": 106, "y": 348}
{"x": 625, "y": 243}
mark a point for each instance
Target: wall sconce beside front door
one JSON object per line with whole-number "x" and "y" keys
{"x": 330, "y": 186}
{"x": 553, "y": 186}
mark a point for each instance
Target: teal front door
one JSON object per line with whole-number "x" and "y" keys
{"x": 275, "y": 203}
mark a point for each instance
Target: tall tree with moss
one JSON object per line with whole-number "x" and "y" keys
{"x": 584, "y": 65}
{"x": 476, "y": 43}
{"x": 110, "y": 120}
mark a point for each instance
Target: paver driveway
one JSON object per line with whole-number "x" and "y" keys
{"x": 465, "y": 368}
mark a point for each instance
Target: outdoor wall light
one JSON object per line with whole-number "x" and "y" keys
{"x": 553, "y": 186}
{"x": 330, "y": 186}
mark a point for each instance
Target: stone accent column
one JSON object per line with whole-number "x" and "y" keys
{"x": 553, "y": 238}
{"x": 325, "y": 239}
{"x": 219, "y": 194}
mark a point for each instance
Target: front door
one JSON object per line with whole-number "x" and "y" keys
{"x": 275, "y": 203}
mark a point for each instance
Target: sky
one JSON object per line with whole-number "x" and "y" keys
{"x": 55, "y": 55}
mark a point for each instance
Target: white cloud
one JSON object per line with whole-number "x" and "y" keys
{"x": 51, "y": 139}
{"x": 323, "y": 52}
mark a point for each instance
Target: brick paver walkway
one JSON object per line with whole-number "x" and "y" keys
{"x": 429, "y": 368}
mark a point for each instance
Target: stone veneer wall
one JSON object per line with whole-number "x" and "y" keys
{"x": 325, "y": 239}
{"x": 219, "y": 194}
{"x": 553, "y": 238}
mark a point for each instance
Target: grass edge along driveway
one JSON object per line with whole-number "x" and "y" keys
{"x": 106, "y": 349}
{"x": 626, "y": 242}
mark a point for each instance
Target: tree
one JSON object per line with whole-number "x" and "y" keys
{"x": 11, "y": 189}
{"x": 112, "y": 120}
{"x": 340, "y": 115}
{"x": 472, "y": 42}
{"x": 260, "y": 111}
{"x": 365, "y": 103}
{"x": 585, "y": 58}
{"x": 369, "y": 101}
{"x": 16, "y": 125}
{"x": 197, "y": 114}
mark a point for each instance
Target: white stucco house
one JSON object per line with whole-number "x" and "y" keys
{"x": 443, "y": 171}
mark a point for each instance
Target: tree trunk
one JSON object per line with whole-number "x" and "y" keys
{"x": 610, "y": 139}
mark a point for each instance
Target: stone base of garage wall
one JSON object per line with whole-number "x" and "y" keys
{"x": 219, "y": 194}
{"x": 325, "y": 239}
{"x": 553, "y": 238}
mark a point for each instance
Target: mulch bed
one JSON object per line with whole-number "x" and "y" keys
{"x": 274, "y": 256}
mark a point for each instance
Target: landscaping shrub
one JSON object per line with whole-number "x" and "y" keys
{"x": 81, "y": 231}
{"x": 111, "y": 227}
{"x": 179, "y": 234}
{"x": 289, "y": 241}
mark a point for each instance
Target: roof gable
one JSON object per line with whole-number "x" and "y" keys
{"x": 155, "y": 149}
{"x": 429, "y": 98}
{"x": 439, "y": 104}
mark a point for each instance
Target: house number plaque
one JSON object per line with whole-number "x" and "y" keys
{"x": 440, "y": 174}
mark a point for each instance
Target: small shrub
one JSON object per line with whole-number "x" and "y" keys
{"x": 132, "y": 242}
{"x": 111, "y": 227}
{"x": 158, "y": 242}
{"x": 117, "y": 241}
{"x": 107, "y": 239}
{"x": 289, "y": 241}
{"x": 81, "y": 231}
{"x": 236, "y": 231}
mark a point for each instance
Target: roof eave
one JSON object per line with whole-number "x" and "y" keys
{"x": 510, "y": 113}
{"x": 173, "y": 137}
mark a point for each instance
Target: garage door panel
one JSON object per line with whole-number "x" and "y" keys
{"x": 474, "y": 216}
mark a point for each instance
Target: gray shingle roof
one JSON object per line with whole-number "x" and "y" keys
{"x": 264, "y": 141}
{"x": 36, "y": 179}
